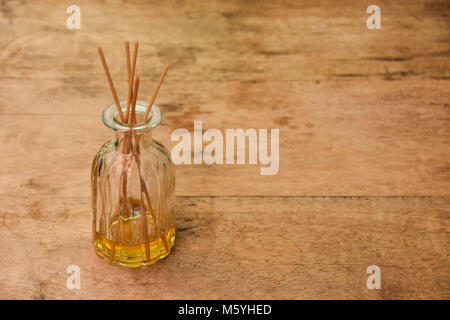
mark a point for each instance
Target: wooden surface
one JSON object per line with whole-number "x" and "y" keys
{"x": 364, "y": 174}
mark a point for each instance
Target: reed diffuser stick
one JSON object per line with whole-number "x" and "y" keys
{"x": 155, "y": 93}
{"x": 130, "y": 84}
{"x": 144, "y": 190}
{"x": 124, "y": 173}
{"x": 111, "y": 84}
{"x": 131, "y": 74}
{"x": 136, "y": 153}
{"x": 127, "y": 138}
{"x": 144, "y": 229}
{"x": 132, "y": 119}
{"x": 135, "y": 52}
{"x": 119, "y": 109}
{"x": 143, "y": 214}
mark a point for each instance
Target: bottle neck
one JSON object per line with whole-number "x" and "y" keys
{"x": 140, "y": 133}
{"x": 125, "y": 140}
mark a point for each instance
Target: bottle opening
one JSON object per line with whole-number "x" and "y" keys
{"x": 112, "y": 120}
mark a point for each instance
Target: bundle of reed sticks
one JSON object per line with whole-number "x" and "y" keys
{"x": 128, "y": 147}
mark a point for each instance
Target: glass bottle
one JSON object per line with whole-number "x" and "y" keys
{"x": 133, "y": 192}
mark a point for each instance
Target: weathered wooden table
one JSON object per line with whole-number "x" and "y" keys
{"x": 364, "y": 173}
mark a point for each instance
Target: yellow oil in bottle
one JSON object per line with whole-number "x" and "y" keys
{"x": 133, "y": 253}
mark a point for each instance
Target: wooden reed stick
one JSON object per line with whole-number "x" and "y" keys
{"x": 124, "y": 179}
{"x": 127, "y": 141}
{"x": 155, "y": 93}
{"x": 132, "y": 72}
{"x": 130, "y": 82}
{"x": 144, "y": 230}
{"x": 127, "y": 138}
{"x": 132, "y": 119}
{"x": 143, "y": 214}
{"x": 135, "y": 52}
{"x": 150, "y": 209}
{"x": 136, "y": 154}
{"x": 124, "y": 175}
{"x": 115, "y": 236}
{"x": 127, "y": 146}
{"x": 111, "y": 84}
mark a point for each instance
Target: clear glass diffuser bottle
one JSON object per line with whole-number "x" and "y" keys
{"x": 133, "y": 192}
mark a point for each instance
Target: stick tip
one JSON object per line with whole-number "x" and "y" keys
{"x": 100, "y": 52}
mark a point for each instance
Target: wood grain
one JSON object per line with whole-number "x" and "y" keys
{"x": 354, "y": 145}
{"x": 364, "y": 125}
{"x": 231, "y": 247}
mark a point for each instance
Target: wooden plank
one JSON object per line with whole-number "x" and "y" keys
{"x": 350, "y": 141}
{"x": 234, "y": 247}
{"x": 280, "y": 41}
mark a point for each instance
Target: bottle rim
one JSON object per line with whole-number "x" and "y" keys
{"x": 111, "y": 117}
